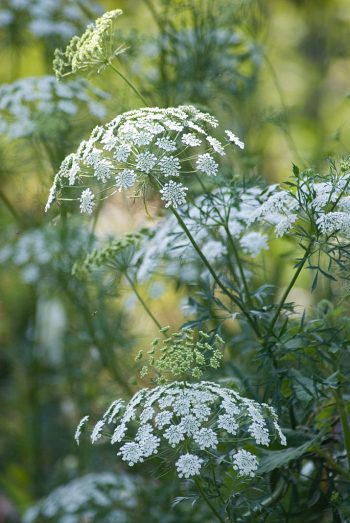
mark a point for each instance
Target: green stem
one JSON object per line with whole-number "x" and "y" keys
{"x": 10, "y": 207}
{"x": 129, "y": 84}
{"x": 276, "y": 495}
{"x": 213, "y": 273}
{"x": 290, "y": 286}
{"x": 143, "y": 303}
{"x": 208, "y": 502}
{"x": 240, "y": 268}
{"x": 344, "y": 422}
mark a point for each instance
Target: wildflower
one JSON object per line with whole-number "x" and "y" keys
{"x": 125, "y": 179}
{"x": 170, "y": 166}
{"x": 207, "y": 164}
{"x": 93, "y": 50}
{"x": 188, "y": 465}
{"x": 202, "y": 417}
{"x": 140, "y": 141}
{"x": 245, "y": 463}
{"x": 86, "y": 498}
{"x": 49, "y": 20}
{"x": 145, "y": 162}
{"x": 79, "y": 428}
{"x": 234, "y": 139}
{"x": 87, "y": 201}
{"x": 174, "y": 194}
{"x": 23, "y": 112}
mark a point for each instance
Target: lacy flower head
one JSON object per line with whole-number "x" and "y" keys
{"x": 184, "y": 354}
{"x": 318, "y": 203}
{"x": 168, "y": 251}
{"x": 38, "y": 104}
{"x": 92, "y": 51}
{"x": 189, "y": 426}
{"x": 58, "y": 19}
{"x": 102, "y": 498}
{"x": 145, "y": 148}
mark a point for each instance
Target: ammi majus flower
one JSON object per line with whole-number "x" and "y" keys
{"x": 93, "y": 50}
{"x": 190, "y": 425}
{"x": 141, "y": 149}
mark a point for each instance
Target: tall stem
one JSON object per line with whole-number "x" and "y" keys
{"x": 207, "y": 500}
{"x": 344, "y": 419}
{"x": 240, "y": 268}
{"x": 142, "y": 301}
{"x": 136, "y": 91}
{"x": 214, "y": 275}
{"x": 289, "y": 288}
{"x": 10, "y": 207}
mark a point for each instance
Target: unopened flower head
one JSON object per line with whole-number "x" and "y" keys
{"x": 183, "y": 355}
{"x": 94, "y": 50}
{"x": 38, "y": 104}
{"x": 194, "y": 420}
{"x": 86, "y": 499}
{"x": 141, "y": 149}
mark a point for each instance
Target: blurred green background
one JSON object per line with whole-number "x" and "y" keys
{"x": 276, "y": 72}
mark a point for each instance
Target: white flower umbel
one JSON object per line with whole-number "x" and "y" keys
{"x": 280, "y": 209}
{"x": 93, "y": 50}
{"x": 35, "y": 104}
{"x": 140, "y": 149}
{"x": 245, "y": 463}
{"x": 188, "y": 465}
{"x": 87, "y": 201}
{"x": 204, "y": 221}
{"x": 47, "y": 19}
{"x": 194, "y": 420}
{"x": 173, "y": 194}
{"x": 101, "y": 497}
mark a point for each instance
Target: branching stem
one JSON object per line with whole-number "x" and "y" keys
{"x": 207, "y": 500}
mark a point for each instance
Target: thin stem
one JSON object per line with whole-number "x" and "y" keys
{"x": 344, "y": 422}
{"x": 290, "y": 286}
{"x": 213, "y": 273}
{"x": 129, "y": 84}
{"x": 10, "y": 207}
{"x": 240, "y": 268}
{"x": 143, "y": 303}
{"x": 208, "y": 502}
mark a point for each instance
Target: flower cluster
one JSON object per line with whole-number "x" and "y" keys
{"x": 193, "y": 420}
{"x": 29, "y": 105}
{"x": 322, "y": 201}
{"x": 145, "y": 147}
{"x": 183, "y": 354}
{"x": 86, "y": 499}
{"x": 170, "y": 250}
{"x": 93, "y": 50}
{"x": 59, "y": 19}
{"x": 39, "y": 252}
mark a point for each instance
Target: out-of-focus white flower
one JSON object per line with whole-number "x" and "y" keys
{"x": 28, "y": 105}
{"x": 101, "y": 497}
